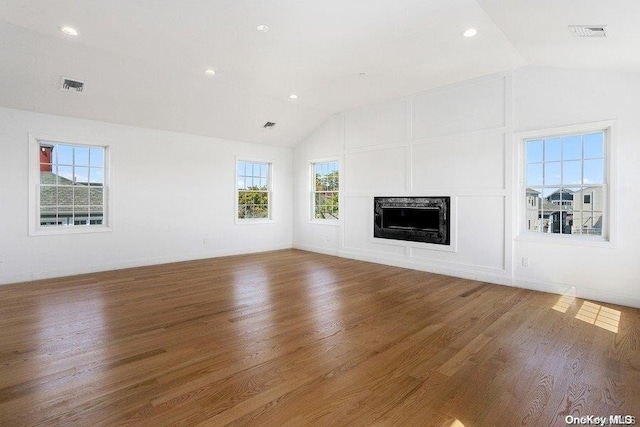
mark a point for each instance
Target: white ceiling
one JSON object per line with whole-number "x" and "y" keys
{"x": 143, "y": 60}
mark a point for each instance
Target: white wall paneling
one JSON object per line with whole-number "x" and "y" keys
{"x": 376, "y": 171}
{"x": 466, "y": 107}
{"x": 459, "y": 142}
{"x": 446, "y": 142}
{"x": 378, "y": 124}
{"x": 479, "y": 162}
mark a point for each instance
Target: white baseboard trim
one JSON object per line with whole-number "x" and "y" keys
{"x": 473, "y": 273}
{"x": 317, "y": 249}
{"x": 139, "y": 262}
{"x": 581, "y": 292}
{"x": 470, "y": 273}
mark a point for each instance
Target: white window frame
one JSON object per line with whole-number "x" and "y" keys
{"x": 270, "y": 186}
{"x": 608, "y": 237}
{"x": 312, "y": 187}
{"x": 35, "y": 229}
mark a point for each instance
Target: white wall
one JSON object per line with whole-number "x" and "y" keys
{"x": 459, "y": 141}
{"x": 445, "y": 142}
{"x": 552, "y": 97}
{"x": 173, "y": 199}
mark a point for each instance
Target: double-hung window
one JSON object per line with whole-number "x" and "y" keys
{"x": 253, "y": 185}
{"x": 565, "y": 183}
{"x": 325, "y": 190}
{"x": 71, "y": 186}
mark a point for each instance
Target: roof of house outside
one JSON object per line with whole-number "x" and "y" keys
{"x": 67, "y": 198}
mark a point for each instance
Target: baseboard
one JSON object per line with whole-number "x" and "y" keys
{"x": 579, "y": 292}
{"x": 498, "y": 277}
{"x": 317, "y": 249}
{"x": 473, "y": 273}
{"x": 139, "y": 262}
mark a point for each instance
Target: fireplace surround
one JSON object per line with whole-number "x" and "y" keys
{"x": 414, "y": 219}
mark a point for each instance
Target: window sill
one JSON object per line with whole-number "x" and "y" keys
{"x": 569, "y": 240}
{"x": 64, "y": 230}
{"x": 333, "y": 222}
{"x": 254, "y": 221}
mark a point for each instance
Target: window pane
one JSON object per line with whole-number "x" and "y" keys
{"x": 65, "y": 196}
{"x": 572, "y": 172}
{"x": 552, "y": 173}
{"x": 96, "y": 199}
{"x": 48, "y": 196}
{"x": 534, "y": 220}
{"x": 81, "y": 196}
{"x": 534, "y": 151}
{"x": 96, "y": 156}
{"x": 572, "y": 147}
{"x": 81, "y": 175}
{"x": 63, "y": 154}
{"x": 96, "y": 176}
{"x": 264, "y": 170}
{"x": 593, "y": 145}
{"x": 48, "y": 176}
{"x": 591, "y": 222}
{"x": 534, "y": 174}
{"x": 594, "y": 171}
{"x": 65, "y": 175}
{"x": 552, "y": 150}
{"x": 81, "y": 156}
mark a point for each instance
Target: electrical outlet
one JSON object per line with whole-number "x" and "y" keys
{"x": 525, "y": 262}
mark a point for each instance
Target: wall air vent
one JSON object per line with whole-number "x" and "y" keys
{"x": 268, "y": 125}
{"x": 588, "y": 30}
{"x": 72, "y": 85}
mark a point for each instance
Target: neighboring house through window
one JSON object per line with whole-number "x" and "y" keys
{"x": 253, "y": 184}
{"x": 71, "y": 186}
{"x": 566, "y": 183}
{"x": 325, "y": 190}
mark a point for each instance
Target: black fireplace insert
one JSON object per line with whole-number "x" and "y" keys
{"x": 415, "y": 219}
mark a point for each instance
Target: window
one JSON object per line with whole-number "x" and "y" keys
{"x": 566, "y": 183}
{"x": 325, "y": 186}
{"x": 254, "y": 190}
{"x": 70, "y": 186}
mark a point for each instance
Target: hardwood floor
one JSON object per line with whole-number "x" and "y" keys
{"x": 291, "y": 338}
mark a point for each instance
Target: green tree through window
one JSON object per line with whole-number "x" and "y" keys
{"x": 326, "y": 190}
{"x": 253, "y": 184}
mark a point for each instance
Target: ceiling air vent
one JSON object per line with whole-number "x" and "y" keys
{"x": 588, "y": 30}
{"x": 268, "y": 125}
{"x": 72, "y": 85}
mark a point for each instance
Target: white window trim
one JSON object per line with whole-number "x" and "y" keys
{"x": 270, "y": 186}
{"x": 35, "y": 229}
{"x": 609, "y": 232}
{"x": 312, "y": 190}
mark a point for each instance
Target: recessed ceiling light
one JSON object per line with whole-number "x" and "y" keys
{"x": 293, "y": 96}
{"x": 70, "y": 31}
{"x": 470, "y": 32}
{"x": 262, "y": 28}
{"x": 209, "y": 72}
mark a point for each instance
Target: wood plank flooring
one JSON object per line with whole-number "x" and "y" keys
{"x": 292, "y": 338}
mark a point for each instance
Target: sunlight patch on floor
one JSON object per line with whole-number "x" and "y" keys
{"x": 563, "y": 303}
{"x": 596, "y": 314}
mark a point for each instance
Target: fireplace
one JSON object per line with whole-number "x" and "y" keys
{"x": 414, "y": 219}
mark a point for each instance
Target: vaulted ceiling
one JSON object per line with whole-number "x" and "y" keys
{"x": 144, "y": 60}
